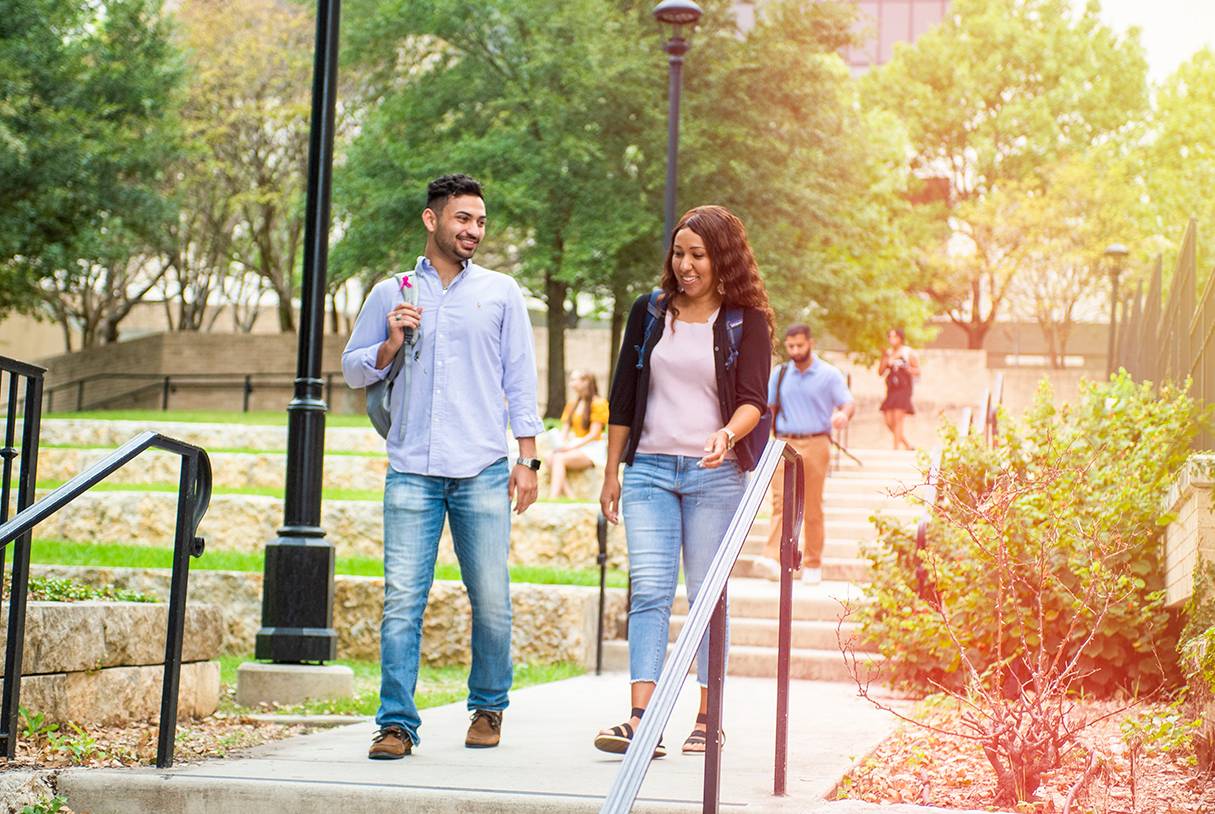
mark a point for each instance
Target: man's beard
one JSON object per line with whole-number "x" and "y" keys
{"x": 800, "y": 359}
{"x": 452, "y": 248}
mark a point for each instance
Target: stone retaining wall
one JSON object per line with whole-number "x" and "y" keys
{"x": 551, "y": 622}
{"x": 561, "y": 535}
{"x": 103, "y": 662}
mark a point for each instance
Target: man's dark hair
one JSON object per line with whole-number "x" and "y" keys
{"x": 798, "y": 329}
{"x": 440, "y": 190}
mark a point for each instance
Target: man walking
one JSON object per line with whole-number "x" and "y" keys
{"x": 809, "y": 398}
{"x": 472, "y": 366}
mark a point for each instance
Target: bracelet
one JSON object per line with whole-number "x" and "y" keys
{"x": 730, "y": 437}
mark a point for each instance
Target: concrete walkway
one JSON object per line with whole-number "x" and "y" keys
{"x": 546, "y": 762}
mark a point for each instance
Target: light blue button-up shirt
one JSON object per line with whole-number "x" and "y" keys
{"x": 474, "y": 367}
{"x": 808, "y": 399}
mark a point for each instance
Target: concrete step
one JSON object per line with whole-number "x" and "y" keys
{"x": 852, "y": 569}
{"x": 760, "y": 599}
{"x": 832, "y": 548}
{"x": 805, "y": 664}
{"x": 806, "y": 635}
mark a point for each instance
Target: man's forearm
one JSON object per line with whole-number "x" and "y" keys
{"x": 383, "y": 357}
{"x": 527, "y": 447}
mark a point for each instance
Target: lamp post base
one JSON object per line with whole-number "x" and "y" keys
{"x": 287, "y": 684}
{"x": 297, "y": 599}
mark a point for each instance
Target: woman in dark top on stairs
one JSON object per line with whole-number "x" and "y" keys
{"x": 682, "y": 397}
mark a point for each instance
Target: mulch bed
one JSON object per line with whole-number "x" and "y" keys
{"x": 134, "y": 744}
{"x": 916, "y": 765}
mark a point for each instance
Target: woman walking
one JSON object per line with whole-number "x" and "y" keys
{"x": 899, "y": 367}
{"x": 682, "y": 397}
{"x": 581, "y": 442}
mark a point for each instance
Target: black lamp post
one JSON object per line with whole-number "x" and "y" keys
{"x": 677, "y": 13}
{"x": 1117, "y": 253}
{"x": 297, "y": 592}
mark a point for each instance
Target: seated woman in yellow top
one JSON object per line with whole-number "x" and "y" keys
{"x": 581, "y": 441}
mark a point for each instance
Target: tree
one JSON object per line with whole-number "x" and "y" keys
{"x": 247, "y": 117}
{"x": 553, "y": 104}
{"x": 1178, "y": 151}
{"x": 998, "y": 92}
{"x": 87, "y": 118}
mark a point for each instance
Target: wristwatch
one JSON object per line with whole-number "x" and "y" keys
{"x": 531, "y": 463}
{"x": 730, "y": 437}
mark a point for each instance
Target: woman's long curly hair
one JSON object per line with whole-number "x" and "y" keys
{"x": 733, "y": 262}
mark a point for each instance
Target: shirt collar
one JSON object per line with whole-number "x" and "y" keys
{"x": 814, "y": 365}
{"x": 424, "y": 265}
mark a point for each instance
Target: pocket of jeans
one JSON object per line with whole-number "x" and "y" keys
{"x": 636, "y": 486}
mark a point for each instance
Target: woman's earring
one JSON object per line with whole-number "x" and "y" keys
{"x": 721, "y": 288}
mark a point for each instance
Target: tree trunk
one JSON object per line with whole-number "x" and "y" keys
{"x": 286, "y": 316}
{"x": 555, "y": 293}
{"x": 976, "y": 333}
{"x": 620, "y": 305}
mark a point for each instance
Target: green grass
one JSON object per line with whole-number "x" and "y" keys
{"x": 327, "y": 493}
{"x": 267, "y": 418}
{"x": 120, "y": 555}
{"x": 350, "y": 453}
{"x": 436, "y": 686}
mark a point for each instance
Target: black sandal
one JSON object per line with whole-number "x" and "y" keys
{"x": 617, "y": 739}
{"x": 700, "y": 738}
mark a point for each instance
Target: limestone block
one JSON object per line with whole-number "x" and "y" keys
{"x": 561, "y": 535}
{"x": 83, "y": 432}
{"x": 235, "y": 596}
{"x": 19, "y": 789}
{"x": 119, "y": 694}
{"x": 551, "y": 622}
{"x": 286, "y": 684}
{"x": 67, "y": 636}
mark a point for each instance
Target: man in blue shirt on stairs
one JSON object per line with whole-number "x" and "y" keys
{"x": 473, "y": 367}
{"x": 809, "y": 399}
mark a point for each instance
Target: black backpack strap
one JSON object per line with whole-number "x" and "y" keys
{"x": 734, "y": 328}
{"x": 654, "y": 311}
{"x": 780, "y": 380}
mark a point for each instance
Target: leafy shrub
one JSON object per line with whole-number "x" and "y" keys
{"x": 1074, "y": 492}
{"x": 49, "y": 589}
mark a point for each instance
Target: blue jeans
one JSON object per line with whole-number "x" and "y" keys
{"x": 669, "y": 504}
{"x": 479, "y": 511}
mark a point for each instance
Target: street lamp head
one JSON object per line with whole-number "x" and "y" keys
{"x": 1116, "y": 252}
{"x": 677, "y": 12}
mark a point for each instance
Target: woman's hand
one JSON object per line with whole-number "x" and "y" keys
{"x": 716, "y": 447}
{"x": 609, "y": 497}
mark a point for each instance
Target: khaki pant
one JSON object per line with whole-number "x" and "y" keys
{"x": 816, "y": 457}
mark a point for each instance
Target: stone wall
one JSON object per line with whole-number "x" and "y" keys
{"x": 1191, "y": 534}
{"x": 103, "y": 662}
{"x": 551, "y": 622}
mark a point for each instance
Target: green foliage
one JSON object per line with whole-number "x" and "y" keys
{"x": 998, "y": 94}
{"x": 48, "y": 589}
{"x": 1197, "y": 644}
{"x": 1166, "y": 729}
{"x": 78, "y": 746}
{"x": 51, "y": 805}
{"x": 1061, "y": 517}
{"x": 86, "y": 123}
{"x": 35, "y": 726}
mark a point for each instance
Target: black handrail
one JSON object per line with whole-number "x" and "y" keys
{"x": 601, "y": 559}
{"x": 193, "y": 498}
{"x": 711, "y": 608}
{"x": 27, "y": 478}
{"x": 168, "y": 383}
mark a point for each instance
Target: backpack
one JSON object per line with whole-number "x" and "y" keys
{"x": 755, "y": 441}
{"x": 379, "y": 394}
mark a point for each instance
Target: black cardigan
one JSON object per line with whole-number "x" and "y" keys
{"x": 745, "y": 383}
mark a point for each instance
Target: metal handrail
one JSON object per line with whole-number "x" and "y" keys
{"x": 601, "y": 559}
{"x": 193, "y": 498}
{"x": 167, "y": 383}
{"x": 627, "y": 783}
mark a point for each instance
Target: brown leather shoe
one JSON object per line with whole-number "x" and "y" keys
{"x": 485, "y": 731}
{"x": 390, "y": 743}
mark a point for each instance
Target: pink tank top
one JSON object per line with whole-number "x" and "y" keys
{"x": 682, "y": 409}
